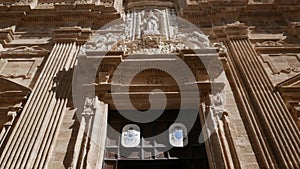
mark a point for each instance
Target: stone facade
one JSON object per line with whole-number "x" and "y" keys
{"x": 68, "y": 69}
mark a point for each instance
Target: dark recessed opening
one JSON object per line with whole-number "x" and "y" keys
{"x": 153, "y": 154}
{"x": 161, "y": 164}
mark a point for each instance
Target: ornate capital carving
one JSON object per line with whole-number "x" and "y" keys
{"x": 147, "y": 31}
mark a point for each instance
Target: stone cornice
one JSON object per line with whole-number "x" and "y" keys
{"x": 72, "y": 34}
{"x": 234, "y": 30}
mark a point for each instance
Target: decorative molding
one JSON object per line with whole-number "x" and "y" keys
{"x": 152, "y": 31}
{"x": 270, "y": 44}
{"x": 15, "y": 76}
{"x": 28, "y": 51}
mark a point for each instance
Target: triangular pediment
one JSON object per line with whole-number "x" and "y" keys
{"x": 9, "y": 86}
{"x": 290, "y": 85}
{"x": 12, "y": 93}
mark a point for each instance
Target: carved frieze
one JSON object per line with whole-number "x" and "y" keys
{"x": 282, "y": 63}
{"x": 25, "y": 50}
{"x": 151, "y": 31}
{"x": 270, "y": 44}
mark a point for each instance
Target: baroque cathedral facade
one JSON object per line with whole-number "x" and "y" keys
{"x": 117, "y": 84}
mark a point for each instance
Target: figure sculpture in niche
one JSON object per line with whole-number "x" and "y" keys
{"x": 152, "y": 23}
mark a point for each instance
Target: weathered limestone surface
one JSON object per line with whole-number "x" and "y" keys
{"x": 255, "y": 107}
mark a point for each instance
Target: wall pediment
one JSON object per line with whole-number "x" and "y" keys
{"x": 291, "y": 86}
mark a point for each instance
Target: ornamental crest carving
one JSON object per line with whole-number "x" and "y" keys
{"x": 149, "y": 31}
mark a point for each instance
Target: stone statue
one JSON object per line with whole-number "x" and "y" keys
{"x": 152, "y": 23}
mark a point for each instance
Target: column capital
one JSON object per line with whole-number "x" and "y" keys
{"x": 233, "y": 30}
{"x": 72, "y": 34}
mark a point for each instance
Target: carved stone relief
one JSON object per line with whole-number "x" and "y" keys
{"x": 83, "y": 1}
{"x": 21, "y": 2}
{"x": 89, "y": 107}
{"x": 151, "y": 31}
{"x": 17, "y": 68}
{"x": 282, "y": 63}
{"x": 270, "y": 44}
{"x": 217, "y": 102}
{"x": 33, "y": 50}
